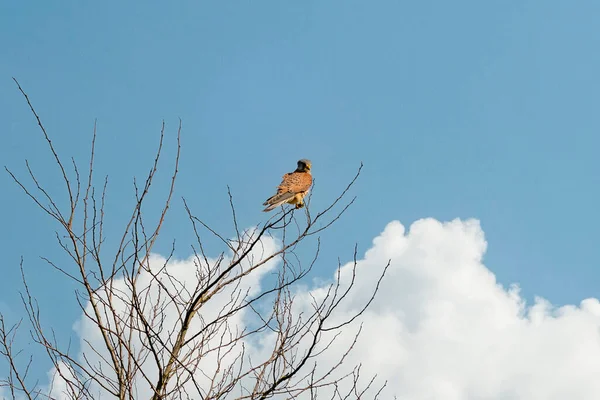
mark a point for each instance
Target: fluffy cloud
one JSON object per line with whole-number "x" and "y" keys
{"x": 182, "y": 277}
{"x": 441, "y": 326}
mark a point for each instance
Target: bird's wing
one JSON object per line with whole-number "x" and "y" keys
{"x": 291, "y": 184}
{"x": 295, "y": 182}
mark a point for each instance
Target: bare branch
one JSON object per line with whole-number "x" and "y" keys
{"x": 163, "y": 332}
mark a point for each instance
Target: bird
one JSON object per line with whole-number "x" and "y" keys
{"x": 293, "y": 187}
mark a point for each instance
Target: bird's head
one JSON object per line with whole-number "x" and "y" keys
{"x": 304, "y": 165}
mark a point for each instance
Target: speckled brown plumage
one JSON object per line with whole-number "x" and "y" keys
{"x": 293, "y": 187}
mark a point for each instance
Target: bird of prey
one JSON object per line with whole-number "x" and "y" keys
{"x": 293, "y": 187}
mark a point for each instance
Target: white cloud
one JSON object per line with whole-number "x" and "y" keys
{"x": 441, "y": 326}
{"x": 180, "y": 272}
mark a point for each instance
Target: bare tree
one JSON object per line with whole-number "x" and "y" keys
{"x": 163, "y": 332}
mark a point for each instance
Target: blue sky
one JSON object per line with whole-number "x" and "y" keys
{"x": 457, "y": 109}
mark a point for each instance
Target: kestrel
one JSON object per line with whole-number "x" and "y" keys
{"x": 293, "y": 187}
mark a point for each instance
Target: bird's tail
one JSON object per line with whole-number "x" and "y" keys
{"x": 277, "y": 200}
